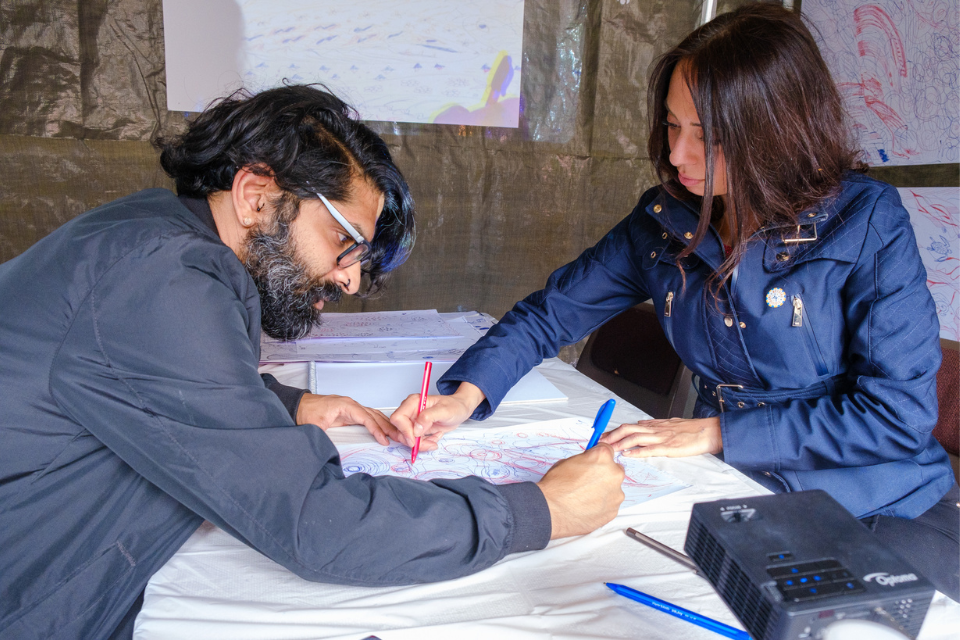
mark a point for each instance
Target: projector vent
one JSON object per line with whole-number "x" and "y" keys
{"x": 744, "y": 599}
{"x": 907, "y": 614}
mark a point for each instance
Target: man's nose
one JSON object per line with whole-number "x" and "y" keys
{"x": 348, "y": 278}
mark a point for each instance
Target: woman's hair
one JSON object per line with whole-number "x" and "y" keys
{"x": 308, "y": 140}
{"x": 765, "y": 97}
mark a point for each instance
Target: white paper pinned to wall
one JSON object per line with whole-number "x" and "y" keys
{"x": 896, "y": 66}
{"x": 935, "y": 214}
{"x": 441, "y": 61}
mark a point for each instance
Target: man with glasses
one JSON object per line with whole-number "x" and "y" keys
{"x": 132, "y": 409}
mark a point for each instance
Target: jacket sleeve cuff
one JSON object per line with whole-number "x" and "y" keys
{"x": 531, "y": 516}
{"x": 749, "y": 439}
{"x": 447, "y": 386}
{"x": 488, "y": 377}
{"x": 289, "y": 396}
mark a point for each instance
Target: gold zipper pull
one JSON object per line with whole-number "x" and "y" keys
{"x": 668, "y": 305}
{"x": 797, "y": 312}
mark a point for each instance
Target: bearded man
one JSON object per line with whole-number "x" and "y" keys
{"x": 132, "y": 409}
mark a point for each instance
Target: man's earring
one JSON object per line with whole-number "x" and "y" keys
{"x": 248, "y": 222}
{"x": 259, "y": 207}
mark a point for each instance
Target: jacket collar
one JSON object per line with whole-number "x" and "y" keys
{"x": 784, "y": 244}
{"x": 788, "y": 244}
{"x": 680, "y": 219}
{"x": 200, "y": 208}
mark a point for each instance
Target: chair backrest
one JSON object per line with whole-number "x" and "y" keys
{"x": 630, "y": 355}
{"x": 947, "y": 431}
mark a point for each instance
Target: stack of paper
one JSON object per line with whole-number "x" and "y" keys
{"x": 384, "y": 385}
{"x": 390, "y": 336}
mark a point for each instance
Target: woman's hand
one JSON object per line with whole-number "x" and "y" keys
{"x": 442, "y": 414}
{"x": 338, "y": 411}
{"x": 673, "y": 438}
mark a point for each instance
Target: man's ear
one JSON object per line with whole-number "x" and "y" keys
{"x": 250, "y": 194}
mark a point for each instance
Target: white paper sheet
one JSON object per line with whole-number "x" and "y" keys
{"x": 376, "y": 325}
{"x": 466, "y": 329}
{"x": 385, "y": 385}
{"x": 504, "y": 456}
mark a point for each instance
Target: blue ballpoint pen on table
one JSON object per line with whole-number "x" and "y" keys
{"x": 600, "y": 422}
{"x": 679, "y": 612}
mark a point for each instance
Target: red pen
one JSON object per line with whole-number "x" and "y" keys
{"x": 423, "y": 404}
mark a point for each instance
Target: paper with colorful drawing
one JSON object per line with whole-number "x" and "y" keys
{"x": 897, "y": 68}
{"x": 503, "y": 456}
{"x": 935, "y": 214}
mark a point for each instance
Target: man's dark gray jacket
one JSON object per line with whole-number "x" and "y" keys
{"x": 132, "y": 410}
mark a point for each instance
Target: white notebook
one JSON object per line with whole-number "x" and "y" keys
{"x": 384, "y": 385}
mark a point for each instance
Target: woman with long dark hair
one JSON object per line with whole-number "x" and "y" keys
{"x": 789, "y": 283}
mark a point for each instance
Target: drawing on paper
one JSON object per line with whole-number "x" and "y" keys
{"x": 495, "y": 108}
{"x": 504, "y": 456}
{"x": 935, "y": 214}
{"x": 897, "y": 66}
{"x": 394, "y": 61}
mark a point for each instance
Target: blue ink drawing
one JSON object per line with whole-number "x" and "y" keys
{"x": 503, "y": 456}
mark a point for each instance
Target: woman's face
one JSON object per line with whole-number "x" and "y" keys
{"x": 685, "y": 137}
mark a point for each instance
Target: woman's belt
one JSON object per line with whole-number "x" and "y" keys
{"x": 724, "y": 396}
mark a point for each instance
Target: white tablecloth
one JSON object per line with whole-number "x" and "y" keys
{"x": 216, "y": 587}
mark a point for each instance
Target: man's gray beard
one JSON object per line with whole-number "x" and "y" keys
{"x": 287, "y": 293}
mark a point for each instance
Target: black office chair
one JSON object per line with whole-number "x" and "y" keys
{"x": 631, "y": 356}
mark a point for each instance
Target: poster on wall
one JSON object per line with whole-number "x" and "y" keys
{"x": 935, "y": 214}
{"x": 439, "y": 61}
{"x": 897, "y": 65}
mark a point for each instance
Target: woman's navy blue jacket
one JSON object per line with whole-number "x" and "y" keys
{"x": 834, "y": 341}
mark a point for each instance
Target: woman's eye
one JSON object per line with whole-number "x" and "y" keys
{"x": 672, "y": 125}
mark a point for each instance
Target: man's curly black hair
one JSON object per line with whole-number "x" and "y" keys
{"x": 308, "y": 140}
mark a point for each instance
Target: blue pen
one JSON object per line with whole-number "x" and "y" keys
{"x": 600, "y": 422}
{"x": 679, "y": 612}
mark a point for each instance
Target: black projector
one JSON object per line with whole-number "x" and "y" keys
{"x": 789, "y": 565}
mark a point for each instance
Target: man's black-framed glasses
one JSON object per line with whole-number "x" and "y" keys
{"x": 360, "y": 250}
